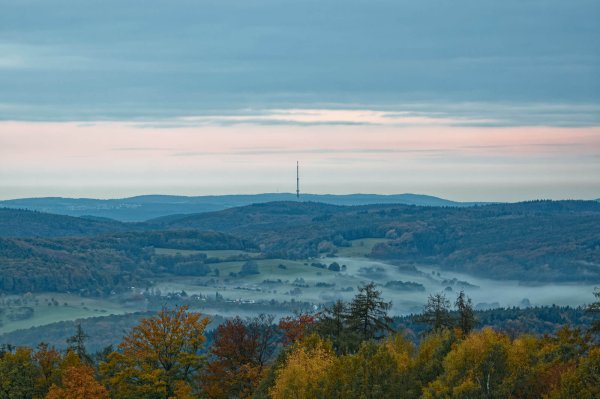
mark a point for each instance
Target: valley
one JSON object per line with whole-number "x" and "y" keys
{"x": 283, "y": 286}
{"x": 282, "y": 258}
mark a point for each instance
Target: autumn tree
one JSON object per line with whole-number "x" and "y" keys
{"x": 427, "y": 363}
{"x": 476, "y": 368}
{"x": 238, "y": 357}
{"x": 18, "y": 374}
{"x": 582, "y": 382}
{"x": 526, "y": 367}
{"x": 296, "y": 328}
{"x": 560, "y": 353}
{"x": 377, "y": 370}
{"x": 306, "y": 367}
{"x": 48, "y": 362}
{"x": 157, "y": 356}
{"x": 78, "y": 382}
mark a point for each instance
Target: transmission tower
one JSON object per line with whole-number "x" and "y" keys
{"x": 297, "y": 180}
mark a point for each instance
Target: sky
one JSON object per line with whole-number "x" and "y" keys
{"x": 473, "y": 100}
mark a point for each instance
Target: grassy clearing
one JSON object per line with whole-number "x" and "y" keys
{"x": 360, "y": 248}
{"x": 52, "y": 307}
{"x": 270, "y": 268}
{"x": 220, "y": 254}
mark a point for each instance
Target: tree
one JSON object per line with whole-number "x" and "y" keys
{"x": 476, "y": 368}
{"x": 238, "y": 357}
{"x": 332, "y": 325}
{"x": 18, "y": 374}
{"x": 102, "y": 355}
{"x": 295, "y": 328}
{"x": 76, "y": 343}
{"x": 436, "y": 312}
{"x": 594, "y": 308}
{"x": 427, "y": 364}
{"x": 466, "y": 315}
{"x": 48, "y": 363}
{"x": 78, "y": 383}
{"x": 303, "y": 375}
{"x": 334, "y": 267}
{"x": 248, "y": 268}
{"x": 377, "y": 370}
{"x": 157, "y": 356}
{"x": 582, "y": 382}
{"x": 369, "y": 313}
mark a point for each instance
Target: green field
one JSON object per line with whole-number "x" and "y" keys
{"x": 52, "y": 307}
{"x": 269, "y": 268}
{"x": 220, "y": 254}
{"x": 360, "y": 248}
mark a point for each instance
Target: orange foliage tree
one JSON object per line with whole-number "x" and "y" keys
{"x": 296, "y": 328}
{"x": 78, "y": 383}
{"x": 239, "y": 355}
{"x": 48, "y": 362}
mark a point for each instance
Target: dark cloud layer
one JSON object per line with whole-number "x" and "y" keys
{"x": 113, "y": 59}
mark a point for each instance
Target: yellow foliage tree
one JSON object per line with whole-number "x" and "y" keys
{"x": 304, "y": 373}
{"x": 582, "y": 382}
{"x": 18, "y": 374}
{"x": 377, "y": 370}
{"x": 475, "y": 368}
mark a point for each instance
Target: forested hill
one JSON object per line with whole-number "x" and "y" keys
{"x": 531, "y": 241}
{"x": 146, "y": 207}
{"x": 101, "y": 264}
{"x": 538, "y": 240}
{"x": 25, "y": 223}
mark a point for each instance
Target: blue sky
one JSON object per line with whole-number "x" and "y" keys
{"x": 240, "y": 65}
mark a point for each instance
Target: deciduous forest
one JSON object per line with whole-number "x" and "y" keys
{"x": 349, "y": 350}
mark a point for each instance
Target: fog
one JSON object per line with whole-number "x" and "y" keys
{"x": 406, "y": 298}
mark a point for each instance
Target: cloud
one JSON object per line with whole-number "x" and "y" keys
{"x": 115, "y": 60}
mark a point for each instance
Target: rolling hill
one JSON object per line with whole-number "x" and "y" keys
{"x": 27, "y": 223}
{"x": 538, "y": 240}
{"x": 532, "y": 241}
{"x": 146, "y": 207}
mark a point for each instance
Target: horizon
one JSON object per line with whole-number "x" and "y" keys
{"x": 293, "y": 194}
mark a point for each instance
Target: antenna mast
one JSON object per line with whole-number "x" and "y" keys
{"x": 297, "y": 180}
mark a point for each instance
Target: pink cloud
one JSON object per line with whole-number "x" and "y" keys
{"x": 403, "y": 157}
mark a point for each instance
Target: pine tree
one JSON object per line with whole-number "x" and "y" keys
{"x": 466, "y": 315}
{"x": 76, "y": 343}
{"x": 333, "y": 325}
{"x": 437, "y": 312}
{"x": 369, "y": 313}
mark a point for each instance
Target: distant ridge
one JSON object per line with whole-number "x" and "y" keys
{"x": 27, "y": 223}
{"x": 145, "y": 207}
